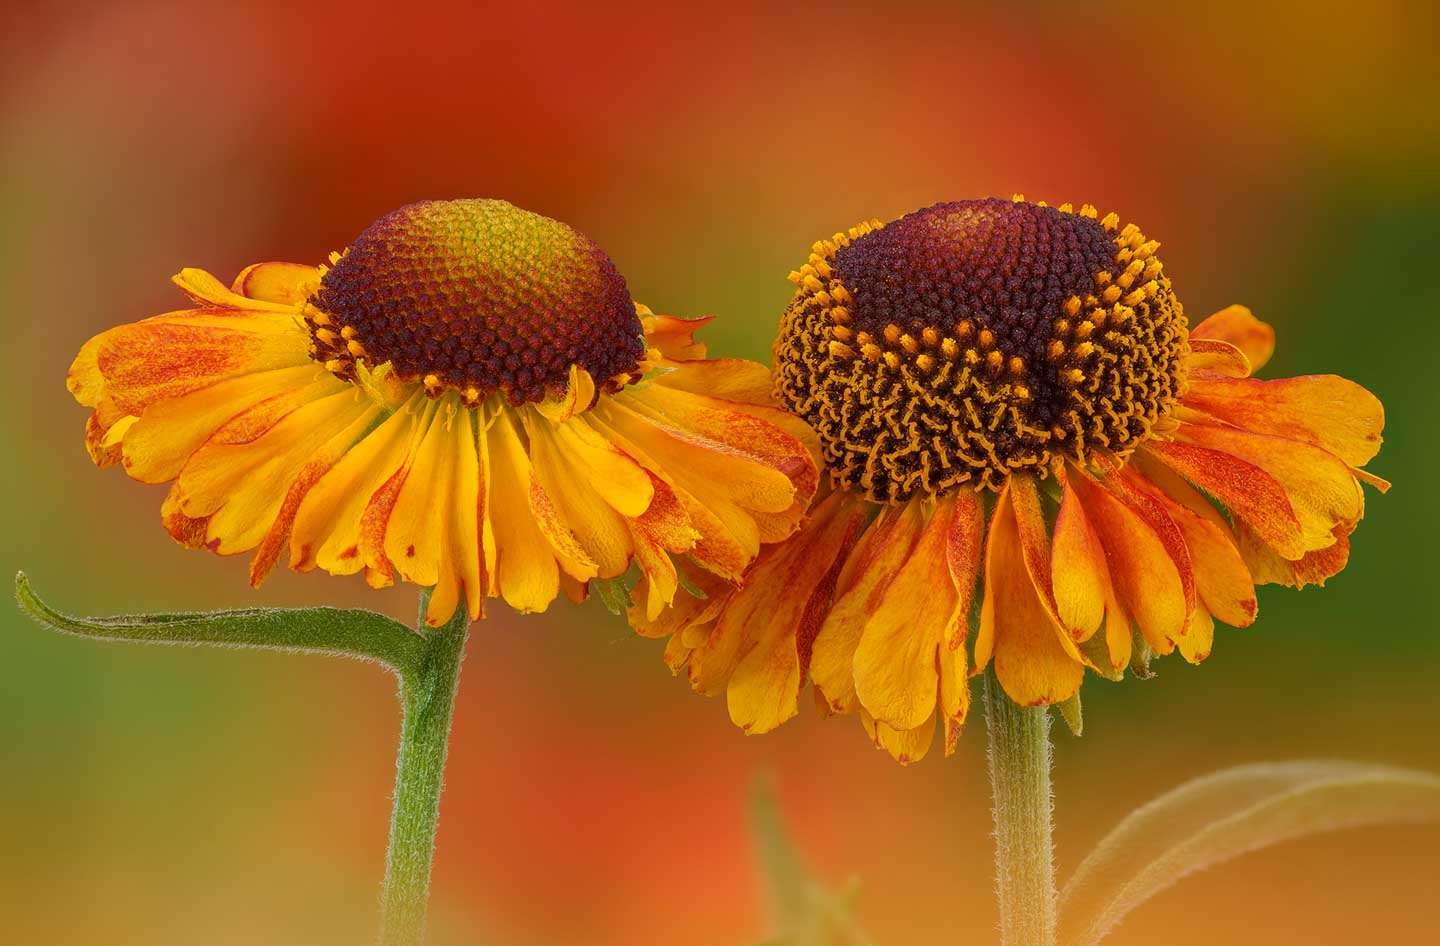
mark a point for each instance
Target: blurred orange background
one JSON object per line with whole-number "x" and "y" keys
{"x": 1287, "y": 159}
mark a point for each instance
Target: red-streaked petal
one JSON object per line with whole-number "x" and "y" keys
{"x": 965, "y": 555}
{"x": 1146, "y": 580}
{"x": 1248, "y": 492}
{"x": 764, "y": 686}
{"x": 1222, "y": 579}
{"x": 1319, "y": 485}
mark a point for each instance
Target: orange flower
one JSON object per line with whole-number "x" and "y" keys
{"x": 1024, "y": 438}
{"x": 466, "y": 398}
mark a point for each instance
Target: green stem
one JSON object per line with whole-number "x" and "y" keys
{"x": 427, "y": 694}
{"x": 1024, "y": 851}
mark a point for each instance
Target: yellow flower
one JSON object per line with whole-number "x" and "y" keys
{"x": 1019, "y": 428}
{"x": 467, "y": 398}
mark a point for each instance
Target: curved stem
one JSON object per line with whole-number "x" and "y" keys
{"x": 1024, "y": 850}
{"x": 427, "y": 693}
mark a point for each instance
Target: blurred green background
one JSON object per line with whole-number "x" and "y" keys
{"x": 1286, "y": 157}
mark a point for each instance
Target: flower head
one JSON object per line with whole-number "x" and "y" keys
{"x": 1033, "y": 459}
{"x": 466, "y": 398}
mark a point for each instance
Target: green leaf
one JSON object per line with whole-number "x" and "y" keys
{"x": 355, "y": 633}
{"x": 1220, "y": 816}
{"x": 803, "y": 911}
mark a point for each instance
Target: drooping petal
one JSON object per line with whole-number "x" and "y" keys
{"x": 1222, "y": 579}
{"x": 859, "y": 591}
{"x": 156, "y": 360}
{"x": 905, "y": 746}
{"x": 965, "y": 554}
{"x": 896, "y": 664}
{"x": 525, "y": 573}
{"x": 240, "y": 486}
{"x": 1146, "y": 580}
{"x": 764, "y": 685}
{"x": 1079, "y": 575}
{"x": 168, "y": 432}
{"x": 327, "y": 525}
{"x": 1032, "y": 665}
{"x": 319, "y": 463}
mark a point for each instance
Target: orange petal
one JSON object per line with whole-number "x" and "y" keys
{"x": 209, "y": 291}
{"x": 954, "y": 690}
{"x": 1319, "y": 485}
{"x": 764, "y": 688}
{"x": 1323, "y": 410}
{"x": 1146, "y": 580}
{"x": 752, "y": 651}
{"x": 1199, "y": 636}
{"x": 1222, "y": 579}
{"x": 1139, "y": 495}
{"x": 674, "y": 337}
{"x": 1035, "y": 548}
{"x": 1312, "y": 568}
{"x": 733, "y": 379}
{"x": 1079, "y": 574}
{"x": 285, "y": 283}
{"x": 1031, "y": 664}
{"x": 964, "y": 553}
{"x": 241, "y": 487}
{"x": 1238, "y": 326}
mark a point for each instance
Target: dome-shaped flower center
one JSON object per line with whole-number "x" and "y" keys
{"x": 477, "y": 296}
{"x": 969, "y": 340}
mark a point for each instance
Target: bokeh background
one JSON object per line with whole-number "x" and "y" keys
{"x": 1286, "y": 159}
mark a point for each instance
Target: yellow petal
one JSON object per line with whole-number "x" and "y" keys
{"x": 285, "y": 283}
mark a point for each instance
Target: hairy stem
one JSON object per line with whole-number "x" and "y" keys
{"x": 1024, "y": 851}
{"x": 427, "y": 693}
